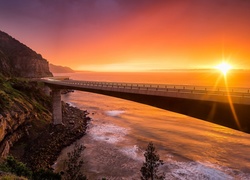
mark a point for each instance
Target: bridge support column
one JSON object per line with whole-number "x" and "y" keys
{"x": 56, "y": 106}
{"x": 47, "y": 90}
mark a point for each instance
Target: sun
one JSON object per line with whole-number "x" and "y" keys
{"x": 224, "y": 67}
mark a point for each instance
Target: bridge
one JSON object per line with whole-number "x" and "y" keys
{"x": 220, "y": 105}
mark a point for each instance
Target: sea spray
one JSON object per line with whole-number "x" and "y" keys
{"x": 115, "y": 113}
{"x": 109, "y": 133}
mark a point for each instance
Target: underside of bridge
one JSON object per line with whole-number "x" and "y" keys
{"x": 218, "y": 113}
{"x": 215, "y": 112}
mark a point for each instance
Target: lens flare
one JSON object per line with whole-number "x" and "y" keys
{"x": 224, "y": 67}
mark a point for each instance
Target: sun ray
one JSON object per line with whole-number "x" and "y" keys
{"x": 232, "y": 105}
{"x": 224, "y": 67}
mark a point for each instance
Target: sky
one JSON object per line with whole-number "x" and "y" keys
{"x": 132, "y": 35}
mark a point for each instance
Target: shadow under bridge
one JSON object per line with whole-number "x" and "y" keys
{"x": 227, "y": 107}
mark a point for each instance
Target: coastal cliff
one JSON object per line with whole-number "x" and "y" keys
{"x": 22, "y": 103}
{"x": 18, "y": 60}
{"x": 26, "y": 131}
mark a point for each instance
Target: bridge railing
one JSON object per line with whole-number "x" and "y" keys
{"x": 242, "y": 92}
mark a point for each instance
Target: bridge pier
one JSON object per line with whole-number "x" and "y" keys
{"x": 56, "y": 106}
{"x": 47, "y": 90}
{"x": 217, "y": 106}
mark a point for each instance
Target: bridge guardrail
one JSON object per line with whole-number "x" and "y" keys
{"x": 239, "y": 92}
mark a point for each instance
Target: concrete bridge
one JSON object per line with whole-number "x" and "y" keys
{"x": 224, "y": 106}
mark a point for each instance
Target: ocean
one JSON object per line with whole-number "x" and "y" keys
{"x": 120, "y": 131}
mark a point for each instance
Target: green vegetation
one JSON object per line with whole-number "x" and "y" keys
{"x": 46, "y": 175}
{"x": 11, "y": 165}
{"x": 149, "y": 170}
{"x": 23, "y": 94}
{"x": 73, "y": 165}
{"x": 15, "y": 167}
{"x": 11, "y": 177}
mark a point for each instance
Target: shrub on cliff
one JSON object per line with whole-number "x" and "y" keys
{"x": 73, "y": 165}
{"x": 20, "y": 94}
{"x": 46, "y": 175}
{"x": 149, "y": 170}
{"x": 15, "y": 167}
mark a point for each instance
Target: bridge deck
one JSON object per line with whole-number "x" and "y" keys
{"x": 227, "y": 107}
{"x": 218, "y": 94}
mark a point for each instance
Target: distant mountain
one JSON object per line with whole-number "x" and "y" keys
{"x": 18, "y": 60}
{"x": 60, "y": 69}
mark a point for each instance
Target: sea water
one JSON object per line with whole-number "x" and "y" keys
{"x": 120, "y": 131}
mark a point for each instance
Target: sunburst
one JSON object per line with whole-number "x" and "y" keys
{"x": 224, "y": 67}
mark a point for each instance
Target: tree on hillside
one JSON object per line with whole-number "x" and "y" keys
{"x": 149, "y": 169}
{"x": 73, "y": 165}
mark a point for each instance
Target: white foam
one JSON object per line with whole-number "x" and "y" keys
{"x": 133, "y": 152}
{"x": 194, "y": 171}
{"x": 109, "y": 133}
{"x": 114, "y": 113}
{"x": 199, "y": 171}
{"x": 71, "y": 104}
{"x": 235, "y": 174}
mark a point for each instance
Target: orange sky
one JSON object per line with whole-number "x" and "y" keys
{"x": 128, "y": 35}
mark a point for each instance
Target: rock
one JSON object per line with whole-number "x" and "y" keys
{"x": 5, "y": 150}
{"x": 43, "y": 151}
{"x": 71, "y": 122}
{"x": 14, "y": 114}
{"x": 18, "y": 60}
{"x": 15, "y": 118}
{"x": 88, "y": 118}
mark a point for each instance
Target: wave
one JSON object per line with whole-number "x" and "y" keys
{"x": 133, "y": 152}
{"x": 109, "y": 133}
{"x": 114, "y": 113}
{"x": 71, "y": 104}
{"x": 200, "y": 170}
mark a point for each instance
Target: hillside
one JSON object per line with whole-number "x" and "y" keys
{"x": 21, "y": 103}
{"x": 26, "y": 131}
{"x": 60, "y": 69}
{"x": 18, "y": 60}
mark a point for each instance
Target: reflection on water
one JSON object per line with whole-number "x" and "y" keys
{"x": 121, "y": 130}
{"x": 190, "y": 148}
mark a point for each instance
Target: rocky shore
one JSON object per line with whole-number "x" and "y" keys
{"x": 42, "y": 152}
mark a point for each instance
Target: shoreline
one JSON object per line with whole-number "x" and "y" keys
{"x": 43, "y": 151}
{"x": 102, "y": 160}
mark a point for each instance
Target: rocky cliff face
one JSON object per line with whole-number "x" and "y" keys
{"x": 18, "y": 60}
{"x": 21, "y": 104}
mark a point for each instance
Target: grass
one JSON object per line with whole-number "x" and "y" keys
{"x": 11, "y": 177}
{"x": 24, "y": 97}
{"x": 23, "y": 93}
